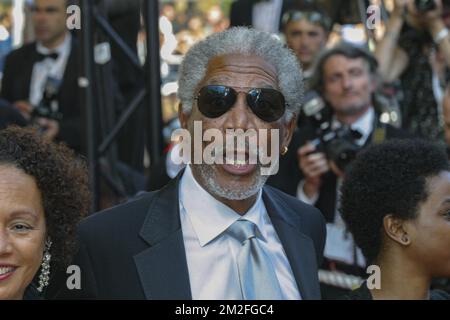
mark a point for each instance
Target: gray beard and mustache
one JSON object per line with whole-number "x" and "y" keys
{"x": 233, "y": 191}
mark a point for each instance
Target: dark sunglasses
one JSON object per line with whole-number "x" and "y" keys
{"x": 215, "y": 100}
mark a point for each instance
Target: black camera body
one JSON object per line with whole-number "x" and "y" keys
{"x": 339, "y": 145}
{"x": 425, "y": 5}
{"x": 44, "y": 110}
{"x": 48, "y": 106}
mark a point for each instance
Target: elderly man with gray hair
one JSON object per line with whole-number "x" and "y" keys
{"x": 215, "y": 231}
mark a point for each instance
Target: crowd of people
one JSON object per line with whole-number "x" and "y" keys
{"x": 360, "y": 182}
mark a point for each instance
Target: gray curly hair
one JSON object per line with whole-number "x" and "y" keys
{"x": 245, "y": 41}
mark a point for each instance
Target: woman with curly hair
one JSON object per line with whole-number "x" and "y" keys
{"x": 396, "y": 203}
{"x": 43, "y": 194}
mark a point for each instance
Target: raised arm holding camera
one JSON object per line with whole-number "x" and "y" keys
{"x": 416, "y": 50}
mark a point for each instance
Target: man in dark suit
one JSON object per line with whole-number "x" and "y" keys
{"x": 264, "y": 15}
{"x": 33, "y": 71}
{"x": 214, "y": 232}
{"x": 345, "y": 79}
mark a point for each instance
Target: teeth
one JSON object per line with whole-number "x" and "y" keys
{"x": 240, "y": 163}
{"x": 5, "y": 270}
{"x": 236, "y": 162}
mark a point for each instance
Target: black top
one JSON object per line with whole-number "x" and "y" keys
{"x": 419, "y": 107}
{"x": 32, "y": 293}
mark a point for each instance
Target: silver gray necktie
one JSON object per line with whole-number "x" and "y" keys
{"x": 256, "y": 274}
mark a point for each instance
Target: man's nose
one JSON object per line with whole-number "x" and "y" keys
{"x": 346, "y": 82}
{"x": 40, "y": 18}
{"x": 240, "y": 115}
{"x": 5, "y": 243}
{"x": 304, "y": 40}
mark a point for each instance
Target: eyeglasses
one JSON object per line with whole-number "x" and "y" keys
{"x": 311, "y": 16}
{"x": 215, "y": 100}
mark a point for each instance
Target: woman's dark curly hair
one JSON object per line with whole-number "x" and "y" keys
{"x": 62, "y": 180}
{"x": 389, "y": 178}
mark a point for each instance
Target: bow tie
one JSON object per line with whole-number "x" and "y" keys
{"x": 42, "y": 56}
{"x": 356, "y": 134}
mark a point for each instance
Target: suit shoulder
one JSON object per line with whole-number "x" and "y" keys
{"x": 293, "y": 203}
{"x": 127, "y": 216}
{"x": 308, "y": 219}
{"x": 22, "y": 52}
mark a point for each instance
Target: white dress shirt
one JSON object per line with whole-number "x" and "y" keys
{"x": 339, "y": 243}
{"x": 212, "y": 254}
{"x": 266, "y": 15}
{"x": 48, "y": 68}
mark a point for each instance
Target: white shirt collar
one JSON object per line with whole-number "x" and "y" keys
{"x": 210, "y": 217}
{"x": 63, "y": 48}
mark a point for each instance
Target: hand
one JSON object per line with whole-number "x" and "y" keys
{"x": 336, "y": 170}
{"x": 433, "y": 19}
{"x": 25, "y": 108}
{"x": 50, "y": 128}
{"x": 399, "y": 7}
{"x": 313, "y": 165}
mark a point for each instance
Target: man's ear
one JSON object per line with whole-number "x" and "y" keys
{"x": 289, "y": 132}
{"x": 395, "y": 229}
{"x": 183, "y": 117}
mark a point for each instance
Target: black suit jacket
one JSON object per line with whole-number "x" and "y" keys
{"x": 289, "y": 174}
{"x": 242, "y": 12}
{"x": 10, "y": 116}
{"x": 16, "y": 86}
{"x": 136, "y": 250}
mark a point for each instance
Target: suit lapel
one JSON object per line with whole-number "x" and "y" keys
{"x": 24, "y": 91}
{"x": 162, "y": 268}
{"x": 69, "y": 78}
{"x": 299, "y": 248}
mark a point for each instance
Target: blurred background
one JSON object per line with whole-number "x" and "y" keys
{"x": 134, "y": 107}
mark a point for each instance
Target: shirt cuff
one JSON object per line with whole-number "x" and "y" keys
{"x": 303, "y": 197}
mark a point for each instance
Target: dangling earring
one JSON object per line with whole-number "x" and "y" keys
{"x": 45, "y": 266}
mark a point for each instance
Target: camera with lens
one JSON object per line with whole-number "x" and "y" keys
{"x": 425, "y": 5}
{"x": 48, "y": 106}
{"x": 339, "y": 145}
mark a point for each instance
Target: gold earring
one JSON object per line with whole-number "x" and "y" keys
{"x": 284, "y": 150}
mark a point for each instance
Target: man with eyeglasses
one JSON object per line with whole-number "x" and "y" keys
{"x": 306, "y": 33}
{"x": 40, "y": 78}
{"x": 215, "y": 231}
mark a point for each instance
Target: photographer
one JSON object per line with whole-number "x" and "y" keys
{"x": 314, "y": 168}
{"x": 40, "y": 78}
{"x": 416, "y": 50}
